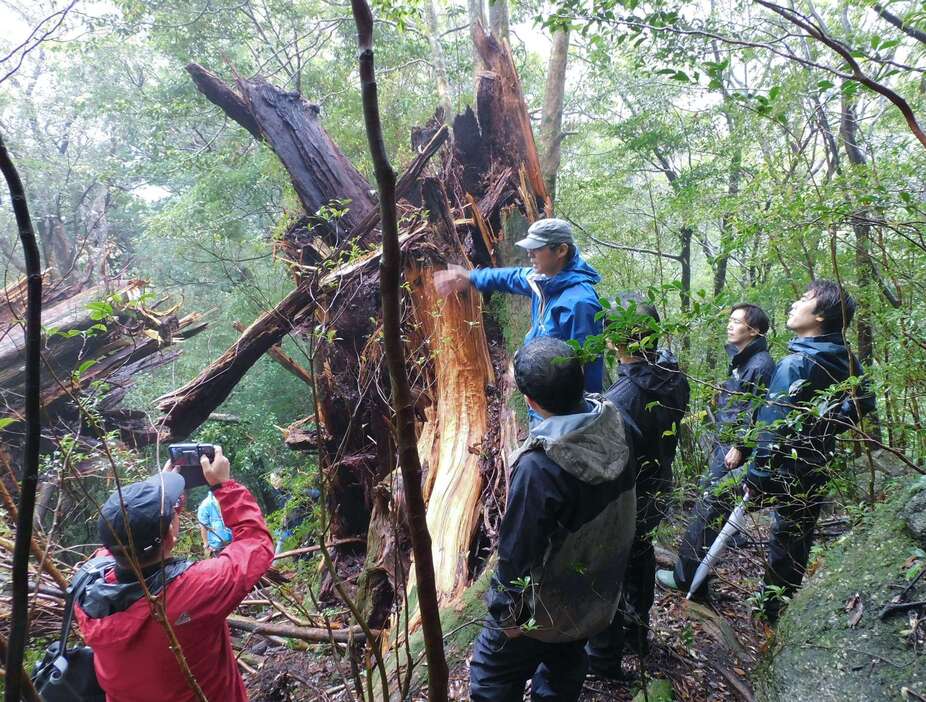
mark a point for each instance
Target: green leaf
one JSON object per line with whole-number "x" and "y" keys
{"x": 849, "y": 88}
{"x": 100, "y": 309}
{"x": 6, "y": 421}
{"x": 85, "y": 365}
{"x": 824, "y": 84}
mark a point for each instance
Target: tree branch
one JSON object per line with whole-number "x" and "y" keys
{"x": 19, "y": 617}
{"x": 406, "y": 440}
{"x": 917, "y": 34}
{"x": 845, "y": 54}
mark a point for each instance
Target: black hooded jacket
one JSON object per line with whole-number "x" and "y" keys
{"x": 741, "y": 394}
{"x": 654, "y": 395}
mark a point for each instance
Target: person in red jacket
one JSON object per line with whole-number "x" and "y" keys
{"x": 132, "y": 658}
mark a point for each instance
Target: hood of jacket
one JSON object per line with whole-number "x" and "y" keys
{"x": 661, "y": 376}
{"x": 589, "y": 445}
{"x": 576, "y": 272}
{"x": 829, "y": 351}
{"x": 108, "y": 604}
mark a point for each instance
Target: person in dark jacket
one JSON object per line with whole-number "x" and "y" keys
{"x": 564, "y": 539}
{"x": 132, "y": 654}
{"x": 751, "y": 368}
{"x": 816, "y": 392}
{"x": 559, "y": 282}
{"x": 652, "y": 391}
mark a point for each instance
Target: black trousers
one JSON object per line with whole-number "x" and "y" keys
{"x": 793, "y": 524}
{"x": 501, "y": 667}
{"x": 710, "y": 513}
{"x": 631, "y": 623}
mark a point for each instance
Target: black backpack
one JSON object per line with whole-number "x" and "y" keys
{"x": 67, "y": 674}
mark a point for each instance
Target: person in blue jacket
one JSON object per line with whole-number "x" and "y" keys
{"x": 816, "y": 393}
{"x": 559, "y": 282}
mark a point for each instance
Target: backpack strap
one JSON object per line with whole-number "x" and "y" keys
{"x": 89, "y": 572}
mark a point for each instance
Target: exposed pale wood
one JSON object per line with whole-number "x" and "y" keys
{"x": 462, "y": 370}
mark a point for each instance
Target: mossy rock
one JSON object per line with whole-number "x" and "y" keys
{"x": 816, "y": 654}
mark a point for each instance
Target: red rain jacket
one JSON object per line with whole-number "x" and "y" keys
{"x": 132, "y": 659}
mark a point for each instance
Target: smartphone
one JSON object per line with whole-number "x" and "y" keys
{"x": 186, "y": 458}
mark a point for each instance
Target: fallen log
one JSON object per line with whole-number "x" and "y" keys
{"x": 281, "y": 357}
{"x": 352, "y": 634}
{"x": 315, "y": 549}
{"x": 187, "y": 407}
{"x": 97, "y": 342}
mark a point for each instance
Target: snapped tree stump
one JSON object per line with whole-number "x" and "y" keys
{"x": 454, "y": 200}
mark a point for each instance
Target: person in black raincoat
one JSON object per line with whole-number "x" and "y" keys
{"x": 751, "y": 368}
{"x": 816, "y": 392}
{"x": 564, "y": 540}
{"x": 653, "y": 394}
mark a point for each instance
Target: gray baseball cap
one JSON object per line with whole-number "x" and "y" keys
{"x": 545, "y": 232}
{"x": 149, "y": 505}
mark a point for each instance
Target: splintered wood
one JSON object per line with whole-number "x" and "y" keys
{"x": 458, "y": 420}
{"x": 453, "y": 209}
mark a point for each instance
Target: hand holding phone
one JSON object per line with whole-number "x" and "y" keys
{"x": 186, "y": 458}
{"x": 216, "y": 468}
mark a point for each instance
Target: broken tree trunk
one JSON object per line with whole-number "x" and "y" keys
{"x": 460, "y": 380}
{"x": 93, "y": 336}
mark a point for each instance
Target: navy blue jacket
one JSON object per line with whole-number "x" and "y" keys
{"x": 654, "y": 395}
{"x": 741, "y": 394}
{"x": 564, "y": 306}
{"x": 789, "y": 449}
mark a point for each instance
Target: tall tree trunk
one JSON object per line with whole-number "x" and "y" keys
{"x": 848, "y": 132}
{"x": 684, "y": 258}
{"x": 864, "y": 265}
{"x": 437, "y": 58}
{"x": 19, "y": 617}
{"x": 551, "y": 121}
{"x": 726, "y": 225}
{"x": 477, "y": 22}
{"x": 406, "y": 439}
{"x": 498, "y": 19}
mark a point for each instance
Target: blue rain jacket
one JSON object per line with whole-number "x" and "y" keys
{"x": 801, "y": 451}
{"x": 563, "y": 306}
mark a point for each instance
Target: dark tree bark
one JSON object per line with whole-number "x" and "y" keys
{"x": 220, "y": 94}
{"x": 390, "y": 273}
{"x": 19, "y": 617}
{"x": 917, "y": 34}
{"x": 189, "y": 406}
{"x": 848, "y": 131}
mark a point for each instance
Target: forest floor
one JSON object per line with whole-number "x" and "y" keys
{"x": 707, "y": 653}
